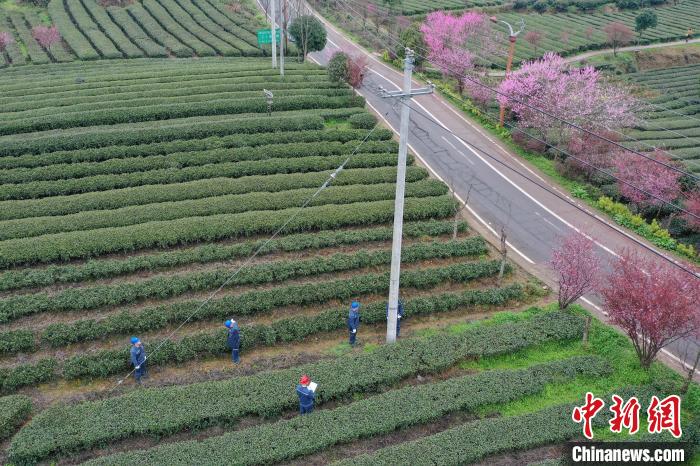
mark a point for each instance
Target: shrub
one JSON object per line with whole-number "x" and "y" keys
{"x": 362, "y": 121}
{"x": 16, "y": 341}
{"x": 338, "y": 67}
{"x": 14, "y": 410}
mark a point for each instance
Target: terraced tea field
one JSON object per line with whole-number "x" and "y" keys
{"x": 129, "y": 195}
{"x": 153, "y": 28}
{"x": 673, "y": 122}
{"x": 571, "y": 33}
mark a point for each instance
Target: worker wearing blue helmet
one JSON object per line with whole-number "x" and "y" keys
{"x": 138, "y": 359}
{"x": 354, "y": 321}
{"x": 233, "y": 340}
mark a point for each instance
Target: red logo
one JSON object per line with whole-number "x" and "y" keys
{"x": 665, "y": 415}
{"x": 587, "y": 412}
{"x": 626, "y": 415}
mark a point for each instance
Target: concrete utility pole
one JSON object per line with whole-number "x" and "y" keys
{"x": 513, "y": 35}
{"x": 283, "y": 7}
{"x": 405, "y": 95}
{"x": 273, "y": 17}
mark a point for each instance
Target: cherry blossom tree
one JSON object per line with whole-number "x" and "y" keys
{"x": 618, "y": 34}
{"x": 5, "y": 40}
{"x": 589, "y": 33}
{"x": 450, "y": 40}
{"x": 533, "y": 38}
{"x": 577, "y": 95}
{"x": 577, "y": 268}
{"x": 657, "y": 180}
{"x": 692, "y": 204}
{"x": 588, "y": 152}
{"x": 653, "y": 302}
{"x": 46, "y": 36}
{"x": 357, "y": 67}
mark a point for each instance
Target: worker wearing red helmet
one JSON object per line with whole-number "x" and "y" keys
{"x": 306, "y": 395}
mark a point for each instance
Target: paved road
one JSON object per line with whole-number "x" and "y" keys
{"x": 631, "y": 48}
{"x": 533, "y": 218}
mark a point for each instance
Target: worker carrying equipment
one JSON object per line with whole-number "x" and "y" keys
{"x": 306, "y": 395}
{"x": 138, "y": 359}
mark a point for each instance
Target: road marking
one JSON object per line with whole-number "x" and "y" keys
{"x": 459, "y": 198}
{"x": 458, "y": 151}
{"x": 595, "y": 306}
{"x": 547, "y": 220}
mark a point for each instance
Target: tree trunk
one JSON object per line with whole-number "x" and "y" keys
{"x": 691, "y": 372}
{"x": 586, "y": 330}
{"x": 504, "y": 253}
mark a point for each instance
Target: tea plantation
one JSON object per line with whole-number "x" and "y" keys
{"x": 673, "y": 120}
{"x": 153, "y": 28}
{"x": 131, "y": 189}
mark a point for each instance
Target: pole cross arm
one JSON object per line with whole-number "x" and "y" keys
{"x": 421, "y": 91}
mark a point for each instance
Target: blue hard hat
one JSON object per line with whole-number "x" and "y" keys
{"x": 134, "y": 340}
{"x": 228, "y": 323}
{"x": 355, "y": 305}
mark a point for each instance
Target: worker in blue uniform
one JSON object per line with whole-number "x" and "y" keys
{"x": 138, "y": 359}
{"x": 233, "y": 340}
{"x": 306, "y": 395}
{"x": 354, "y": 321}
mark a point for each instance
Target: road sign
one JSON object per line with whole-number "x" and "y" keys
{"x": 265, "y": 36}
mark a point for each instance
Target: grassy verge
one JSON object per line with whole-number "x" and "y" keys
{"x": 605, "y": 342}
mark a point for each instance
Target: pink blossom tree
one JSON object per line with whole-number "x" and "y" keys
{"x": 654, "y": 303}
{"x": 657, "y": 180}
{"x": 533, "y": 38}
{"x": 357, "y": 67}
{"x": 577, "y": 95}
{"x": 589, "y": 153}
{"x": 589, "y": 33}
{"x": 46, "y": 36}
{"x": 618, "y": 34}
{"x": 577, "y": 268}
{"x": 5, "y": 40}
{"x": 450, "y": 40}
{"x": 692, "y": 204}
{"x": 481, "y": 95}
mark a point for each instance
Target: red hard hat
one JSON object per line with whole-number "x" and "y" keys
{"x": 305, "y": 380}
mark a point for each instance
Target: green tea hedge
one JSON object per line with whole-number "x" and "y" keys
{"x": 104, "y": 268}
{"x": 74, "y": 245}
{"x": 375, "y": 416}
{"x": 14, "y": 410}
{"x": 227, "y": 204}
{"x": 163, "y": 287}
{"x": 107, "y": 268}
{"x": 164, "y": 411}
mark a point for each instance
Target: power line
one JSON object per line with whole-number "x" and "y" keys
{"x": 551, "y": 191}
{"x": 328, "y": 181}
{"x": 550, "y": 115}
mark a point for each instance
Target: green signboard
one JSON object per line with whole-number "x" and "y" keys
{"x": 265, "y": 36}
